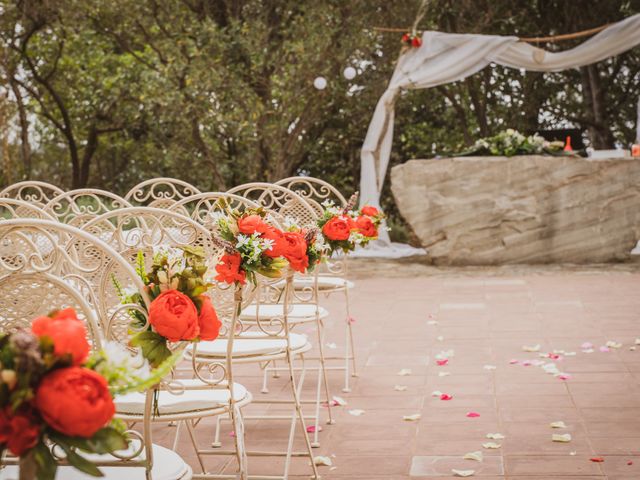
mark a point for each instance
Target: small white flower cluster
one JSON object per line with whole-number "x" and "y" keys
{"x": 119, "y": 359}
{"x": 330, "y": 207}
{"x": 252, "y": 246}
{"x": 290, "y": 224}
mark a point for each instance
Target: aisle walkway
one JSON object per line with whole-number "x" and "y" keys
{"x": 477, "y": 326}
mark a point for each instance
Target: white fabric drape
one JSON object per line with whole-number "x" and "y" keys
{"x": 445, "y": 58}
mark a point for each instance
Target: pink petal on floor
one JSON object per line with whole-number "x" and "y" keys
{"x": 605, "y": 349}
{"x": 513, "y": 361}
{"x": 442, "y": 362}
{"x": 554, "y": 356}
{"x": 596, "y": 459}
{"x": 351, "y": 320}
{"x": 564, "y": 377}
{"x": 630, "y": 462}
{"x": 446, "y": 396}
{"x": 527, "y": 363}
{"x": 232, "y": 433}
{"x": 312, "y": 429}
{"x": 586, "y": 345}
{"x": 473, "y": 414}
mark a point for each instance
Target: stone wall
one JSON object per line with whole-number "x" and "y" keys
{"x": 524, "y": 209}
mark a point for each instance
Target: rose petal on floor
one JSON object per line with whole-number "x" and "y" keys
{"x": 332, "y": 346}
{"x": 637, "y": 342}
{"x": 589, "y": 350}
{"x": 446, "y": 396}
{"x": 596, "y": 459}
{"x": 477, "y": 456}
{"x": 312, "y": 428}
{"x": 491, "y": 445}
{"x": 630, "y": 462}
{"x": 356, "y": 412}
{"x": 558, "y": 424}
{"x": 561, "y": 437}
{"x": 489, "y": 367}
{"x": 463, "y": 473}
{"x": 444, "y": 374}
{"x": 404, "y": 372}
{"x": 473, "y": 414}
{"x": 495, "y": 436}
{"x": 440, "y": 338}
{"x": 613, "y": 344}
{"x": 411, "y": 418}
{"x": 442, "y": 362}
{"x": 604, "y": 349}
{"x": 436, "y": 393}
{"x": 531, "y": 348}
{"x": 513, "y": 361}
{"x": 586, "y": 345}
{"x": 432, "y": 322}
{"x": 400, "y": 388}
{"x": 322, "y": 461}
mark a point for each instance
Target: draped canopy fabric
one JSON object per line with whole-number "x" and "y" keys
{"x": 446, "y": 57}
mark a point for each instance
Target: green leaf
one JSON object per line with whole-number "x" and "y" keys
{"x": 107, "y": 440}
{"x": 81, "y": 463}
{"x": 153, "y": 345}
{"x": 47, "y": 465}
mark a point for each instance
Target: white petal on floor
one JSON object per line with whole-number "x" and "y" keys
{"x": 559, "y": 424}
{"x": 436, "y": 393}
{"x": 356, "y": 412}
{"x": 495, "y": 436}
{"x": 463, "y": 473}
{"x": 444, "y": 374}
{"x": 491, "y": 445}
{"x": 322, "y": 461}
{"x": 404, "y": 372}
{"x": 412, "y": 418}
{"x": 561, "y": 437}
{"x": 400, "y": 388}
{"x": 340, "y": 401}
{"x": 477, "y": 456}
{"x": 489, "y": 367}
{"x": 531, "y": 348}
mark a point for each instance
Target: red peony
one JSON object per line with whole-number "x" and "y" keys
{"x": 370, "y": 211}
{"x": 416, "y": 42}
{"x": 229, "y": 270}
{"x": 338, "y": 228}
{"x": 18, "y": 431}
{"x": 366, "y": 226}
{"x": 69, "y": 335}
{"x": 295, "y": 251}
{"x": 75, "y": 401}
{"x": 405, "y": 38}
{"x": 279, "y": 244}
{"x": 252, "y": 224}
{"x": 174, "y": 316}
{"x": 208, "y": 320}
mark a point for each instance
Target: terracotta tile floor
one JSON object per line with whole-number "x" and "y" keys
{"x": 485, "y": 317}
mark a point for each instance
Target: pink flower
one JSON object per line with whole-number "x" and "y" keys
{"x": 473, "y": 414}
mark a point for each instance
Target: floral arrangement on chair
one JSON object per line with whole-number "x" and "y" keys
{"x": 252, "y": 246}
{"x": 53, "y": 391}
{"x": 344, "y": 229}
{"x": 179, "y": 309}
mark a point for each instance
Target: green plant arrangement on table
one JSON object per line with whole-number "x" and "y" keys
{"x": 53, "y": 392}
{"x": 345, "y": 228}
{"x": 510, "y": 142}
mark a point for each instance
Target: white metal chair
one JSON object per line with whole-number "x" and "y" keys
{"x": 77, "y": 207}
{"x": 332, "y": 277}
{"x": 32, "y": 191}
{"x": 33, "y": 284}
{"x": 160, "y": 192}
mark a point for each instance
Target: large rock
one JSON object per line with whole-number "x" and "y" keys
{"x": 524, "y": 209}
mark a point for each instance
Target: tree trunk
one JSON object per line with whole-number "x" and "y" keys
{"x": 594, "y": 99}
{"x": 25, "y": 147}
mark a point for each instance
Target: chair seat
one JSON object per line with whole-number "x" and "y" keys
{"x": 187, "y": 402}
{"x": 249, "y": 347}
{"x": 167, "y": 465}
{"x": 324, "y": 283}
{"x": 298, "y": 313}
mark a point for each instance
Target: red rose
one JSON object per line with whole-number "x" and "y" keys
{"x": 69, "y": 335}
{"x": 19, "y": 431}
{"x": 416, "y": 42}
{"x": 229, "y": 270}
{"x": 369, "y": 211}
{"x": 405, "y": 38}
{"x": 174, "y": 316}
{"x": 252, "y": 224}
{"x": 366, "y": 226}
{"x": 278, "y": 246}
{"x": 75, "y": 401}
{"x": 338, "y": 228}
{"x": 296, "y": 251}
{"x": 208, "y": 320}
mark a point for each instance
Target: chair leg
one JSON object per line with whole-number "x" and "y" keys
{"x": 194, "y": 442}
{"x": 216, "y": 437}
{"x": 296, "y": 390}
{"x": 241, "y": 453}
{"x": 176, "y": 439}
{"x": 350, "y": 353}
{"x": 323, "y": 372}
